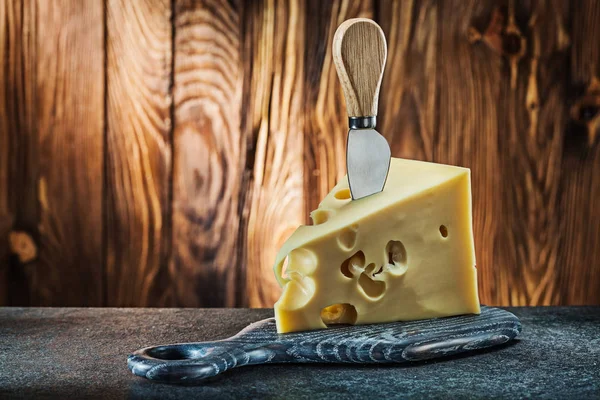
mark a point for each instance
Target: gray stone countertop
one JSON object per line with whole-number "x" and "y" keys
{"x": 82, "y": 353}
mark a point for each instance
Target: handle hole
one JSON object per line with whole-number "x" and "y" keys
{"x": 178, "y": 352}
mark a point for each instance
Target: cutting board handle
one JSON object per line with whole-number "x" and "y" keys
{"x": 197, "y": 361}
{"x": 359, "y": 54}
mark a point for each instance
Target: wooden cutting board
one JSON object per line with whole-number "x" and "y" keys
{"x": 395, "y": 342}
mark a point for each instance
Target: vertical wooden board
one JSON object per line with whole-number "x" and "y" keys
{"x": 531, "y": 122}
{"x": 274, "y": 121}
{"x": 465, "y": 132}
{"x": 70, "y": 115}
{"x": 209, "y": 153}
{"x": 326, "y": 124}
{"x": 18, "y": 150}
{"x": 6, "y": 216}
{"x": 5, "y": 211}
{"x": 580, "y": 169}
{"x": 407, "y": 107}
{"x": 138, "y": 152}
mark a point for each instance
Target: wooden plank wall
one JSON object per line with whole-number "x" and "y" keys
{"x": 158, "y": 153}
{"x": 138, "y": 151}
{"x": 53, "y": 83}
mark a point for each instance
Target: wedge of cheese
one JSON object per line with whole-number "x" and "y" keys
{"x": 403, "y": 254}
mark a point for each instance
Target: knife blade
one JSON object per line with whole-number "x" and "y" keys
{"x": 359, "y": 55}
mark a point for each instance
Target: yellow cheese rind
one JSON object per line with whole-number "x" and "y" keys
{"x": 345, "y": 258}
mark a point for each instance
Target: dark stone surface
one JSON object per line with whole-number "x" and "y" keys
{"x": 81, "y": 353}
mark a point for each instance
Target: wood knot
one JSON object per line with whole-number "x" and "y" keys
{"x": 22, "y": 245}
{"x": 504, "y": 37}
{"x": 512, "y": 44}
{"x": 586, "y": 110}
{"x": 501, "y": 35}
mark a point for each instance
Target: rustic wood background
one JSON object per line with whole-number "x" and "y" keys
{"x": 157, "y": 153}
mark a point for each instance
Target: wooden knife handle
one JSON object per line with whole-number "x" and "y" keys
{"x": 359, "y": 54}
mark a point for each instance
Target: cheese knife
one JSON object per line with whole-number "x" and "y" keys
{"x": 359, "y": 55}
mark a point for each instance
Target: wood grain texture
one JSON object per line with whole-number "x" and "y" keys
{"x": 408, "y": 108}
{"x": 532, "y": 119}
{"x": 389, "y": 343}
{"x": 53, "y": 115}
{"x": 466, "y": 131}
{"x": 5, "y": 211}
{"x": 326, "y": 118}
{"x": 209, "y": 153}
{"x": 359, "y": 55}
{"x": 517, "y": 150}
{"x": 70, "y": 116}
{"x": 429, "y": 51}
{"x": 201, "y": 191}
{"x": 274, "y": 124}
{"x": 16, "y": 139}
{"x": 138, "y": 153}
{"x": 580, "y": 169}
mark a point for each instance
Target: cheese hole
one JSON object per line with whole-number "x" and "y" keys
{"x": 371, "y": 287}
{"x": 347, "y": 238}
{"x": 298, "y": 291}
{"x": 346, "y": 270}
{"x": 343, "y": 194}
{"x": 351, "y": 264}
{"x": 444, "y": 230}
{"x": 397, "y": 257}
{"x": 303, "y": 261}
{"x": 319, "y": 216}
{"x": 338, "y": 314}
